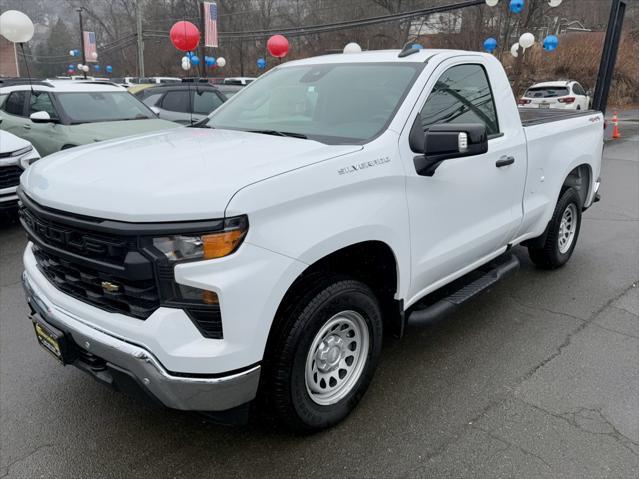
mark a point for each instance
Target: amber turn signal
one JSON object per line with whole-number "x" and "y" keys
{"x": 218, "y": 245}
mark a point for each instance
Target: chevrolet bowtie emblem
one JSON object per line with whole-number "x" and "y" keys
{"x": 110, "y": 287}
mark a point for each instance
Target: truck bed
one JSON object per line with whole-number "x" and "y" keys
{"x": 537, "y": 116}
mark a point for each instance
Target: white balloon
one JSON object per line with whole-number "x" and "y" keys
{"x": 514, "y": 50}
{"x": 554, "y": 3}
{"x": 527, "y": 40}
{"x": 492, "y": 3}
{"x": 186, "y": 66}
{"x": 221, "y": 62}
{"x": 85, "y": 68}
{"x": 79, "y": 66}
{"x": 185, "y": 59}
{"x": 16, "y": 27}
{"x": 71, "y": 52}
{"x": 94, "y": 54}
{"x": 352, "y": 48}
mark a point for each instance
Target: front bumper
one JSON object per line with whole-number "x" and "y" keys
{"x": 127, "y": 364}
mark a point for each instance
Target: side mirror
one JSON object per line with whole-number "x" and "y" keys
{"x": 155, "y": 110}
{"x": 41, "y": 117}
{"x": 446, "y": 141}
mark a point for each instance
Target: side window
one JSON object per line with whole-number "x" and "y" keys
{"x": 176, "y": 100}
{"x": 14, "y": 105}
{"x": 42, "y": 102}
{"x": 151, "y": 100}
{"x": 578, "y": 89}
{"x": 205, "y": 102}
{"x": 461, "y": 95}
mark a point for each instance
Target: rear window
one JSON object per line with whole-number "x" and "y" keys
{"x": 546, "y": 92}
{"x": 15, "y": 103}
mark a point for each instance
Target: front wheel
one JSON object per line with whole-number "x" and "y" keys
{"x": 561, "y": 234}
{"x": 324, "y": 355}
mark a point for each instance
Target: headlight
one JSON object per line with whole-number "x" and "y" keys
{"x": 204, "y": 246}
{"x": 22, "y": 151}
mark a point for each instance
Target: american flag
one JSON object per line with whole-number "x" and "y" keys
{"x": 89, "y": 47}
{"x": 210, "y": 24}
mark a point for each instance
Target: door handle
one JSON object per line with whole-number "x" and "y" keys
{"x": 26, "y": 126}
{"x": 505, "y": 161}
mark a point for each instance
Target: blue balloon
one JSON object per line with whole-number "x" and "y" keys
{"x": 71, "y": 67}
{"x": 490, "y": 44}
{"x": 76, "y": 53}
{"x": 516, "y": 6}
{"x": 195, "y": 60}
{"x": 261, "y": 63}
{"x": 109, "y": 69}
{"x": 210, "y": 61}
{"x": 97, "y": 68}
{"x": 550, "y": 43}
{"x": 416, "y": 46}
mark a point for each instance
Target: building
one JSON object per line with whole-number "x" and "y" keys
{"x": 8, "y": 59}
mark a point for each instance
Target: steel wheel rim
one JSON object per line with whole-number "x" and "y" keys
{"x": 567, "y": 228}
{"x": 336, "y": 358}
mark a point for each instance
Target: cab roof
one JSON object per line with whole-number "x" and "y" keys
{"x": 379, "y": 56}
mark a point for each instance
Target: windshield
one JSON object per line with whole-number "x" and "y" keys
{"x": 333, "y": 103}
{"x": 546, "y": 92}
{"x": 91, "y": 107}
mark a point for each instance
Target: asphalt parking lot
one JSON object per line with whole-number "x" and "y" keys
{"x": 537, "y": 378}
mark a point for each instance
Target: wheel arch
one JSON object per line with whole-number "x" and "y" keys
{"x": 579, "y": 178}
{"x": 372, "y": 262}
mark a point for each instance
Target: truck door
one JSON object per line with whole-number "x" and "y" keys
{"x": 468, "y": 210}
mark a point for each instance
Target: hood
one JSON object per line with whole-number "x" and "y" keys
{"x": 9, "y": 142}
{"x": 106, "y": 130}
{"x": 182, "y": 174}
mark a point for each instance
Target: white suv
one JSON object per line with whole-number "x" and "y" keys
{"x": 564, "y": 95}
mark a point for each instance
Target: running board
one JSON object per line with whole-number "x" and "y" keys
{"x": 474, "y": 284}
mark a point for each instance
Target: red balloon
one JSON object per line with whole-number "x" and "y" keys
{"x": 277, "y": 46}
{"x": 185, "y": 36}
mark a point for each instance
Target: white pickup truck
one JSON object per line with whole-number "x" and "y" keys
{"x": 258, "y": 258}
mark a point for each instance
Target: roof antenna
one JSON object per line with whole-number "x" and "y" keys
{"x": 408, "y": 50}
{"x": 26, "y": 64}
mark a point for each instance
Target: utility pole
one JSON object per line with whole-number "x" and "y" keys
{"x": 84, "y": 58}
{"x": 140, "y": 38}
{"x": 609, "y": 55}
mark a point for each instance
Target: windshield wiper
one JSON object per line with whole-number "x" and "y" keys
{"x": 201, "y": 124}
{"x": 280, "y": 133}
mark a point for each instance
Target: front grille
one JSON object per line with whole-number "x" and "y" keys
{"x": 102, "y": 269}
{"x": 10, "y": 176}
{"x": 111, "y": 264}
{"x": 135, "y": 298}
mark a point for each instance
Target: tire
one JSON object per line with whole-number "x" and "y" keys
{"x": 561, "y": 237}
{"x": 338, "y": 319}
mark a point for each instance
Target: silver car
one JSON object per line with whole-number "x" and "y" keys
{"x": 182, "y": 103}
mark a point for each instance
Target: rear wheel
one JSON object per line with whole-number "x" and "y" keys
{"x": 324, "y": 355}
{"x": 561, "y": 234}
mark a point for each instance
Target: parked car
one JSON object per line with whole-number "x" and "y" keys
{"x": 241, "y": 81}
{"x": 564, "y": 95}
{"x": 16, "y": 155}
{"x": 269, "y": 250}
{"x": 184, "y": 103}
{"x": 62, "y": 114}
